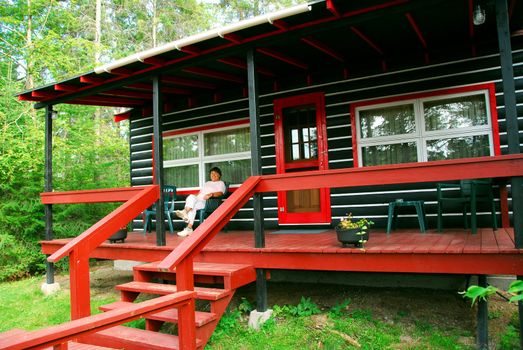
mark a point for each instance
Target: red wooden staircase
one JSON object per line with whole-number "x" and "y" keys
{"x": 215, "y": 287}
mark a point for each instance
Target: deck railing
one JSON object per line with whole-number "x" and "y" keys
{"x": 79, "y": 248}
{"x": 504, "y": 167}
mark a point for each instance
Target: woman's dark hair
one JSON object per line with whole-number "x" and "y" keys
{"x": 216, "y": 170}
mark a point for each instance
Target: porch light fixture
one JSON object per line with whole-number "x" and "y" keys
{"x": 478, "y": 16}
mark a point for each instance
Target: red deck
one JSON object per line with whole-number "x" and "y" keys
{"x": 456, "y": 251}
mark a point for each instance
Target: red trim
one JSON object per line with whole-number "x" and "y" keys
{"x": 92, "y": 80}
{"x": 366, "y": 39}
{"x": 122, "y": 116}
{"x": 323, "y": 48}
{"x": 65, "y": 87}
{"x": 312, "y": 163}
{"x": 193, "y": 130}
{"x": 491, "y": 87}
{"x": 283, "y": 58}
{"x": 416, "y": 29}
{"x": 322, "y": 163}
{"x": 43, "y": 93}
{"x": 332, "y": 8}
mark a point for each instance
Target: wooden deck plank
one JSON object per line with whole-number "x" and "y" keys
{"x": 456, "y": 245}
{"x": 489, "y": 243}
{"x": 442, "y": 244}
{"x": 473, "y": 244}
{"x": 311, "y": 251}
{"x": 504, "y": 240}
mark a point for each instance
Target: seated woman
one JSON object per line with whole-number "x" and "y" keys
{"x": 213, "y": 188}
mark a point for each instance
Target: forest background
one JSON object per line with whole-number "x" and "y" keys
{"x": 46, "y": 41}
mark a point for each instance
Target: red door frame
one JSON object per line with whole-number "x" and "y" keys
{"x": 322, "y": 163}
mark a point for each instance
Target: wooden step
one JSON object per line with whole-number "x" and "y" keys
{"x": 137, "y": 339}
{"x": 201, "y": 318}
{"x": 163, "y": 289}
{"x": 80, "y": 346}
{"x": 231, "y": 275}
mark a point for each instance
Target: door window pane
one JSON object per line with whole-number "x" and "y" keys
{"x": 455, "y": 113}
{"x": 180, "y": 147}
{"x": 389, "y": 154}
{"x": 458, "y": 147}
{"x": 387, "y": 121}
{"x": 182, "y": 176}
{"x": 233, "y": 171}
{"x": 227, "y": 141}
{"x": 300, "y": 137}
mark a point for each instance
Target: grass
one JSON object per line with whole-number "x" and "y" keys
{"x": 24, "y": 306}
{"x": 350, "y": 330}
{"x": 339, "y": 318}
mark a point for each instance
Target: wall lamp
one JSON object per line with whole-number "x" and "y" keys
{"x": 478, "y": 15}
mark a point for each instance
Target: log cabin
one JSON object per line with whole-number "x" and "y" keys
{"x": 311, "y": 112}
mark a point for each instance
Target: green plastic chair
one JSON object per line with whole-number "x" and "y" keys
{"x": 169, "y": 196}
{"x": 471, "y": 192}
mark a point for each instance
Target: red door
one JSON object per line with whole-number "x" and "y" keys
{"x": 301, "y": 144}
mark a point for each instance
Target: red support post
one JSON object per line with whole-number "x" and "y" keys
{"x": 186, "y": 312}
{"x": 79, "y": 284}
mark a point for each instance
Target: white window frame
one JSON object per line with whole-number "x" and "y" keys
{"x": 201, "y": 160}
{"x": 420, "y": 136}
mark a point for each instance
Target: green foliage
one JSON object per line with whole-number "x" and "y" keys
{"x": 475, "y": 292}
{"x": 516, "y": 288}
{"x": 245, "y": 306}
{"x": 338, "y": 309}
{"x": 306, "y": 307}
{"x": 510, "y": 339}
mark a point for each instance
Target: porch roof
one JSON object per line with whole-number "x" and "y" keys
{"x": 350, "y": 38}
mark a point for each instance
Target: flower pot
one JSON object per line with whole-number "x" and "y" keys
{"x": 351, "y": 236}
{"x": 119, "y": 235}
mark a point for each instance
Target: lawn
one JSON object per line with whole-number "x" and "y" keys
{"x": 305, "y": 316}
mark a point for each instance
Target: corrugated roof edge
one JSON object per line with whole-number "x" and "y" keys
{"x": 210, "y": 34}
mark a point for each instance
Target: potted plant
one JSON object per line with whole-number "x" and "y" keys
{"x": 352, "y": 231}
{"x": 119, "y": 235}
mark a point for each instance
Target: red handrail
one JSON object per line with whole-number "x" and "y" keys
{"x": 466, "y": 168}
{"x": 65, "y": 332}
{"x": 79, "y": 248}
{"x": 137, "y": 200}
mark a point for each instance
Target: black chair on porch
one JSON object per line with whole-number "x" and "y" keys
{"x": 471, "y": 192}
{"x": 169, "y": 196}
{"x": 212, "y": 204}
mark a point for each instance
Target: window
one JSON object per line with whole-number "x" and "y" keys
{"x": 189, "y": 157}
{"x": 457, "y": 124}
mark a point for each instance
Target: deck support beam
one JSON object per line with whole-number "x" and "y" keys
{"x": 158, "y": 157}
{"x": 48, "y": 186}
{"x": 482, "y": 318}
{"x": 256, "y": 169}
{"x": 511, "y": 116}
